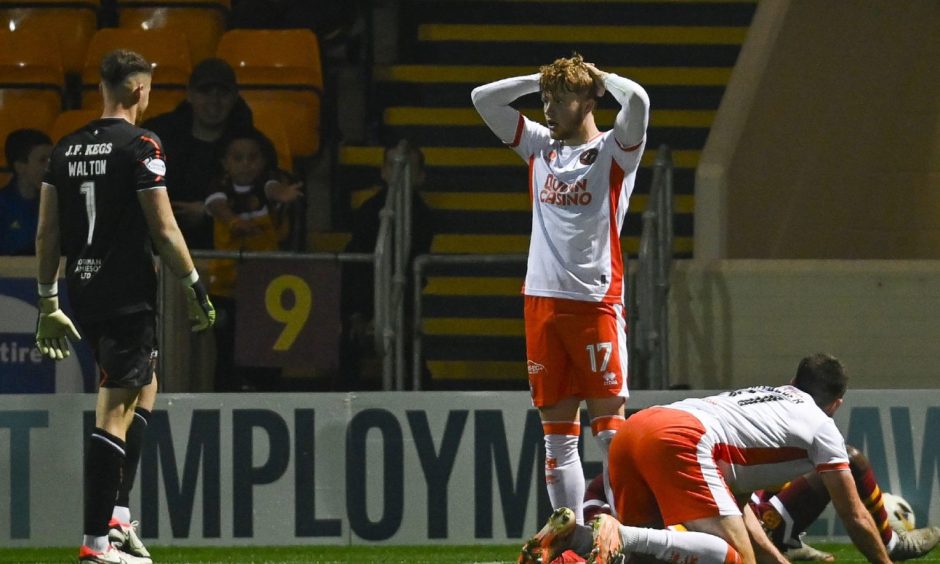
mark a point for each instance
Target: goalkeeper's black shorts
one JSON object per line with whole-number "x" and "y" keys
{"x": 125, "y": 349}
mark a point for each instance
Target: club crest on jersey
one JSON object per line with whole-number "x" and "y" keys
{"x": 588, "y": 157}
{"x": 550, "y": 156}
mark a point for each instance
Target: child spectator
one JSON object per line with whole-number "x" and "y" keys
{"x": 27, "y": 152}
{"x": 248, "y": 206}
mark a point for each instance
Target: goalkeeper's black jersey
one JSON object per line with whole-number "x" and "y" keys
{"x": 97, "y": 172}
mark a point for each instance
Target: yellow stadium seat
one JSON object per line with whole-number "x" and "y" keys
{"x": 70, "y": 22}
{"x": 202, "y": 22}
{"x": 282, "y": 68}
{"x": 268, "y": 121}
{"x": 163, "y": 101}
{"x": 30, "y": 68}
{"x": 69, "y": 121}
{"x": 19, "y": 114}
{"x": 166, "y": 50}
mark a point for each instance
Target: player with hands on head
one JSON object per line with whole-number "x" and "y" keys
{"x": 104, "y": 205}
{"x": 580, "y": 181}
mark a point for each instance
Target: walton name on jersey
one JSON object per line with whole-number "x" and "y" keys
{"x": 563, "y": 194}
{"x": 88, "y": 168}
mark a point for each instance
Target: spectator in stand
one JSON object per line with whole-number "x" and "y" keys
{"x": 193, "y": 135}
{"x": 357, "y": 302}
{"x": 248, "y": 203}
{"x": 27, "y": 152}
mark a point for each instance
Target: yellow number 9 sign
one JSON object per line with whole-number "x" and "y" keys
{"x": 293, "y": 318}
{"x": 288, "y": 315}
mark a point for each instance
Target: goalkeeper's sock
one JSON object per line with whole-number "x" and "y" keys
{"x": 104, "y": 461}
{"x": 564, "y": 477}
{"x": 121, "y": 514}
{"x": 135, "y": 437}
{"x": 678, "y": 547}
{"x": 96, "y": 543}
{"x": 870, "y": 494}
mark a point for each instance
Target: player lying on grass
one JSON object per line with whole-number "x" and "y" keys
{"x": 695, "y": 463}
{"x": 786, "y": 514}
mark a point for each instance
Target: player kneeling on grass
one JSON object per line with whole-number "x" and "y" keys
{"x": 786, "y": 514}
{"x": 694, "y": 463}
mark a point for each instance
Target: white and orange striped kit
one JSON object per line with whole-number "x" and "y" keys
{"x": 687, "y": 460}
{"x": 580, "y": 196}
{"x": 574, "y": 281}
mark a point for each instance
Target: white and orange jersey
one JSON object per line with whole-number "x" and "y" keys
{"x": 764, "y": 436}
{"x": 580, "y": 196}
{"x": 579, "y": 193}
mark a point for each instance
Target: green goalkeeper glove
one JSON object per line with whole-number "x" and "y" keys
{"x": 52, "y": 329}
{"x": 201, "y": 310}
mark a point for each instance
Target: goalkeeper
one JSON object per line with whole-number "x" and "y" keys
{"x": 104, "y": 206}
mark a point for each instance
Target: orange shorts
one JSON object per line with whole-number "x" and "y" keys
{"x": 575, "y": 348}
{"x": 662, "y": 471}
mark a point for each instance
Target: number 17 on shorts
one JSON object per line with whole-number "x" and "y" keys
{"x": 574, "y": 348}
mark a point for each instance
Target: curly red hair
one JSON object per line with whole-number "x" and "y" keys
{"x": 566, "y": 75}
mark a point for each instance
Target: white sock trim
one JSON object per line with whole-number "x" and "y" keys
{"x": 98, "y": 544}
{"x": 787, "y": 518}
{"x": 121, "y": 514}
{"x": 895, "y": 537}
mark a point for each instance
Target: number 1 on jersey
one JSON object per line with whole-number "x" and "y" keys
{"x": 87, "y": 189}
{"x": 594, "y": 351}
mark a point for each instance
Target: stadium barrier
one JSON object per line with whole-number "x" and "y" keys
{"x": 300, "y": 277}
{"x": 351, "y": 469}
{"x": 288, "y": 316}
{"x": 732, "y": 324}
{"x": 649, "y": 284}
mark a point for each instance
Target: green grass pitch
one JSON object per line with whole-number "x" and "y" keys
{"x": 343, "y": 554}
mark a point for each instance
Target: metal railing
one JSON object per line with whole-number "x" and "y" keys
{"x": 390, "y": 268}
{"x": 650, "y": 292}
{"x": 648, "y": 289}
{"x": 392, "y": 252}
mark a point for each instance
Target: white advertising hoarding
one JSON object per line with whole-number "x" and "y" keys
{"x": 400, "y": 468}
